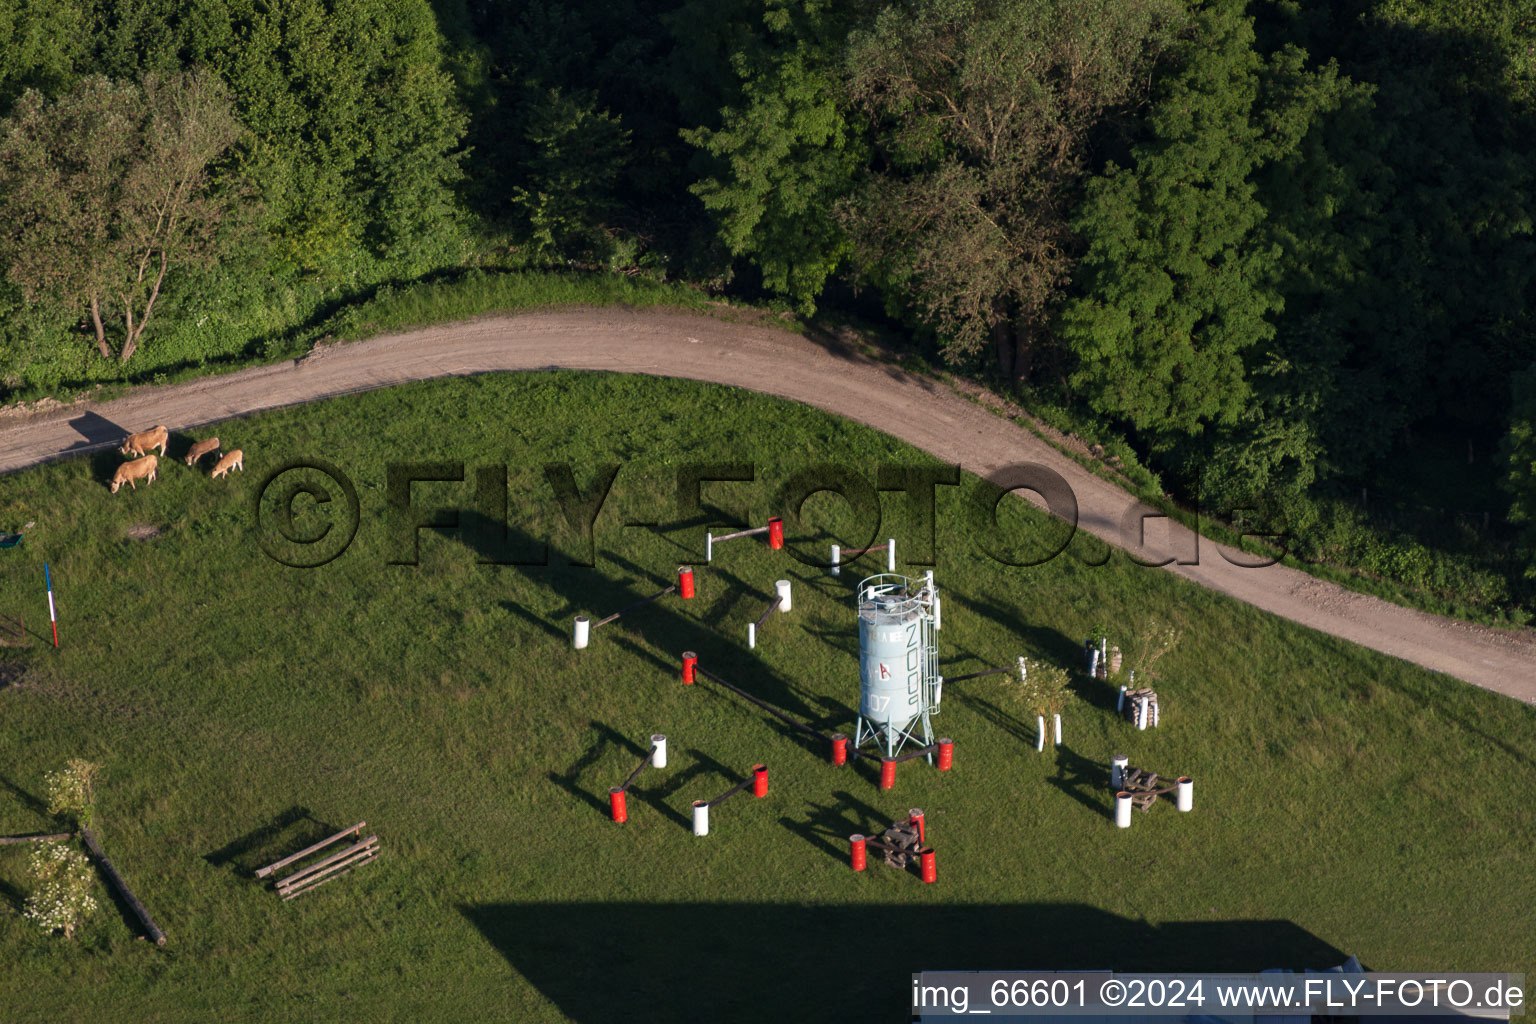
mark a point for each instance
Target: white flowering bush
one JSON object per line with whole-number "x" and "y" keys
{"x": 72, "y": 790}
{"x": 1044, "y": 690}
{"x": 62, "y": 900}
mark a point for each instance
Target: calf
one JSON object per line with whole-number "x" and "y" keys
{"x": 202, "y": 448}
{"x": 139, "y": 444}
{"x": 138, "y": 469}
{"x": 234, "y": 460}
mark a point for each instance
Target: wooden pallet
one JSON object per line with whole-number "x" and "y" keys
{"x": 1143, "y": 787}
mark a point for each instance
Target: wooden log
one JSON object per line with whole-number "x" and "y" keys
{"x": 322, "y": 844}
{"x": 297, "y": 878}
{"x": 331, "y": 878}
{"x": 10, "y": 840}
{"x": 122, "y": 886}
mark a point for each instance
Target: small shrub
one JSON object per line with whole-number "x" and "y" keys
{"x": 72, "y": 791}
{"x": 62, "y": 900}
{"x": 1044, "y": 690}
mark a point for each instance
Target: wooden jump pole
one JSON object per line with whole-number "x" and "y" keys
{"x": 122, "y": 887}
{"x": 322, "y": 844}
{"x": 12, "y": 840}
{"x": 701, "y": 670}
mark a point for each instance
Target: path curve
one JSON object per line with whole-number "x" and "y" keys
{"x": 820, "y": 373}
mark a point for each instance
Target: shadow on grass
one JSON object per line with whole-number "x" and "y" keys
{"x": 26, "y": 799}
{"x": 1080, "y": 778}
{"x": 570, "y": 779}
{"x": 828, "y": 826}
{"x": 745, "y": 962}
{"x": 273, "y": 841}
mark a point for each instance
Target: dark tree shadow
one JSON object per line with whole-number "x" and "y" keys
{"x": 1080, "y": 778}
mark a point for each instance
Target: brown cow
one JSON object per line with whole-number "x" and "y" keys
{"x": 202, "y": 448}
{"x": 234, "y": 460}
{"x": 138, "y": 469}
{"x": 140, "y": 444}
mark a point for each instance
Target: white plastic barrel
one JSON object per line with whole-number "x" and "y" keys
{"x": 583, "y": 632}
{"x": 658, "y": 751}
{"x": 1039, "y": 732}
{"x": 1186, "y": 794}
{"x": 836, "y": 552}
{"x": 1117, "y": 766}
{"x": 751, "y": 634}
{"x": 700, "y": 818}
{"x": 1120, "y": 700}
{"x": 1123, "y": 810}
{"x": 782, "y": 586}
{"x": 1058, "y": 729}
{"x": 890, "y": 555}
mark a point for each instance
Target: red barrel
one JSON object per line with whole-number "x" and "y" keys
{"x": 775, "y": 533}
{"x": 887, "y": 774}
{"x": 685, "y": 581}
{"x": 930, "y": 869}
{"x": 690, "y": 662}
{"x": 917, "y": 819}
{"x": 616, "y": 805}
{"x": 858, "y": 852}
{"x": 759, "y": 780}
{"x": 839, "y": 748}
{"x": 946, "y": 754}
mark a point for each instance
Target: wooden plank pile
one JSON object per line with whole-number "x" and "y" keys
{"x": 1139, "y": 703}
{"x": 1144, "y": 789}
{"x": 324, "y": 870}
{"x": 900, "y": 844}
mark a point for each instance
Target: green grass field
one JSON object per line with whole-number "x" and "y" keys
{"x": 1345, "y": 802}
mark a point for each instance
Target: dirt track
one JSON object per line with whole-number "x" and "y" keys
{"x": 673, "y": 344}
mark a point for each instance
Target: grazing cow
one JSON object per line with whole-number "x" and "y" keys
{"x": 234, "y": 460}
{"x": 140, "y": 444}
{"x": 138, "y": 469}
{"x": 202, "y": 448}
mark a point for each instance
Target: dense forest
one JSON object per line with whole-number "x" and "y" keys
{"x": 1284, "y": 248}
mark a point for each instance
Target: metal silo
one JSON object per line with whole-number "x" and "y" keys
{"x": 898, "y": 663}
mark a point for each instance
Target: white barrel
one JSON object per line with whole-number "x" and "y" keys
{"x": 583, "y": 632}
{"x": 1120, "y": 700}
{"x": 1058, "y": 729}
{"x": 1142, "y": 712}
{"x": 709, "y": 547}
{"x": 700, "y": 818}
{"x": 1123, "y": 810}
{"x": 1023, "y": 669}
{"x": 836, "y": 552}
{"x": 1117, "y": 766}
{"x": 890, "y": 555}
{"x": 751, "y": 634}
{"x": 1186, "y": 794}
{"x": 782, "y": 586}
{"x": 1093, "y": 664}
{"x": 658, "y": 751}
{"x": 1040, "y": 732}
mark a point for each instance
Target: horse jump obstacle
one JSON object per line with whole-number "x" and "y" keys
{"x": 903, "y": 842}
{"x": 774, "y": 530}
{"x": 944, "y": 747}
{"x": 1138, "y": 706}
{"x": 656, "y": 757}
{"x": 841, "y": 555}
{"x": 758, "y": 780}
{"x": 1140, "y": 789}
{"x": 12, "y": 840}
{"x": 780, "y": 602}
{"x": 326, "y": 870}
{"x": 582, "y": 632}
